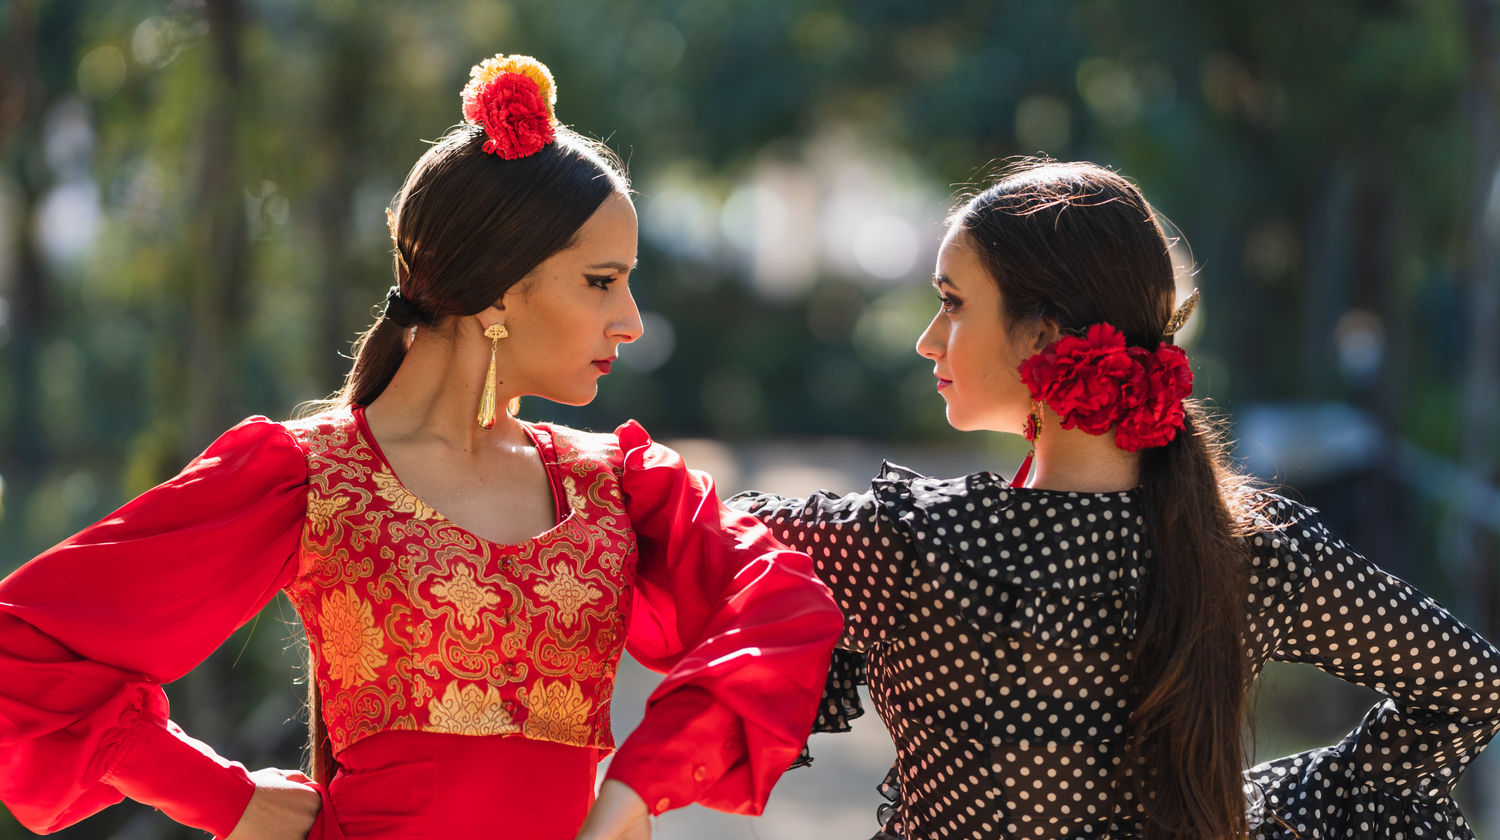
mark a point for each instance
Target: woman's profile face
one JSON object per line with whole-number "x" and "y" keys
{"x": 568, "y": 318}
{"x": 974, "y": 356}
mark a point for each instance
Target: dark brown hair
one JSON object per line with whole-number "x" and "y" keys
{"x": 467, "y": 226}
{"x": 1077, "y": 244}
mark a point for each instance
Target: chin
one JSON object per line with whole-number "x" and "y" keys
{"x": 582, "y": 396}
{"x": 957, "y": 420}
{"x": 968, "y": 422}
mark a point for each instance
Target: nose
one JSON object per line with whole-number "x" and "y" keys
{"x": 933, "y": 341}
{"x": 626, "y": 326}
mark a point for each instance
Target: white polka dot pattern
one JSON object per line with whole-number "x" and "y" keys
{"x": 993, "y": 626}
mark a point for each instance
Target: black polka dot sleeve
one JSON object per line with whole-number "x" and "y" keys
{"x": 1392, "y": 776}
{"x": 858, "y": 552}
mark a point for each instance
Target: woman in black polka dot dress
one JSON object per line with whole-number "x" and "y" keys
{"x": 1066, "y": 655}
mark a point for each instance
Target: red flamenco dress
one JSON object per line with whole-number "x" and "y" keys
{"x": 465, "y": 685}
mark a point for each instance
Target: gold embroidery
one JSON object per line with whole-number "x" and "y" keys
{"x": 322, "y": 509}
{"x": 557, "y": 711}
{"x": 466, "y": 595}
{"x": 351, "y": 641}
{"x": 470, "y": 710}
{"x": 388, "y": 487}
{"x": 570, "y": 489}
{"x": 568, "y": 592}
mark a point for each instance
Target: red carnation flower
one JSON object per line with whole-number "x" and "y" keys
{"x": 1157, "y": 417}
{"x": 1095, "y": 382}
{"x": 1089, "y": 381}
{"x": 514, "y": 115}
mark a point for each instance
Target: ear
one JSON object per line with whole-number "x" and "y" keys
{"x": 1044, "y": 332}
{"x": 491, "y": 315}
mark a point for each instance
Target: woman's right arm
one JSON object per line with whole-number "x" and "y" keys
{"x": 92, "y": 628}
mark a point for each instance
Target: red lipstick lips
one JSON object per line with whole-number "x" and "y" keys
{"x": 603, "y": 364}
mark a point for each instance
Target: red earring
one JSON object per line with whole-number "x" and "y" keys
{"x": 1032, "y": 430}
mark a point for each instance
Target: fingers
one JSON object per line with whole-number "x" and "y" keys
{"x": 277, "y": 777}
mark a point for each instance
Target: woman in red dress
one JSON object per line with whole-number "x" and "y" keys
{"x": 467, "y": 580}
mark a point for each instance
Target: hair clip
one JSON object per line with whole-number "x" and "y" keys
{"x": 1181, "y": 314}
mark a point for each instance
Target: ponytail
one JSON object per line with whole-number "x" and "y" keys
{"x": 321, "y": 765}
{"x": 377, "y": 355}
{"x": 1186, "y": 747}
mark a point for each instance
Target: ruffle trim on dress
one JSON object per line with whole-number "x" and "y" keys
{"x": 1064, "y": 568}
{"x": 1318, "y": 795}
{"x": 840, "y": 703}
{"x": 888, "y": 813}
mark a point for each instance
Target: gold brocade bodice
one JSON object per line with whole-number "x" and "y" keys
{"x": 417, "y": 624}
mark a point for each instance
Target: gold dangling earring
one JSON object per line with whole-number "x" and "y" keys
{"x": 487, "y": 400}
{"x": 1032, "y": 430}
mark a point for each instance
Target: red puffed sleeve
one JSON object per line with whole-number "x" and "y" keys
{"x": 742, "y": 628}
{"x": 91, "y": 629}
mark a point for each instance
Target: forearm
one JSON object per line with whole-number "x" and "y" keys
{"x": 159, "y": 765}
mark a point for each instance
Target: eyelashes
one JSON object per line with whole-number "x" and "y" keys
{"x": 950, "y": 303}
{"x": 600, "y": 281}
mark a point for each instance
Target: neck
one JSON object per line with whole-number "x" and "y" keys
{"x": 1074, "y": 460}
{"x": 435, "y": 394}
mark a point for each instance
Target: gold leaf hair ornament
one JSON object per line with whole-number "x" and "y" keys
{"x": 1180, "y": 315}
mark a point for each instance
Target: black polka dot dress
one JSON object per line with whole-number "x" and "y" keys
{"x": 993, "y": 624}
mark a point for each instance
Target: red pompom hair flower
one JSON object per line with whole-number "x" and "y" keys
{"x": 512, "y": 98}
{"x": 1095, "y": 382}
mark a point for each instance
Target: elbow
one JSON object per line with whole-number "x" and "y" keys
{"x": 1474, "y": 701}
{"x": 819, "y": 616}
{"x": 1484, "y": 699}
{"x": 832, "y": 626}
{"x": 830, "y": 619}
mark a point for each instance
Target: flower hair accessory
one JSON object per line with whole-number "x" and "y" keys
{"x": 513, "y": 98}
{"x": 1096, "y": 383}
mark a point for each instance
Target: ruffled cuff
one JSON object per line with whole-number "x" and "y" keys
{"x": 840, "y": 703}
{"x": 1320, "y": 794}
{"x": 161, "y": 766}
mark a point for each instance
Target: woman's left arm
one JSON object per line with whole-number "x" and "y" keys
{"x": 1441, "y": 680}
{"x": 741, "y": 626}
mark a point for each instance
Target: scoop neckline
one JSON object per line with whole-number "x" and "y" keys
{"x": 362, "y": 426}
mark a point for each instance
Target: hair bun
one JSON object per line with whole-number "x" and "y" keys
{"x": 513, "y": 98}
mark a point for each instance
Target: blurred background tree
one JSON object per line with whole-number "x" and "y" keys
{"x": 191, "y": 230}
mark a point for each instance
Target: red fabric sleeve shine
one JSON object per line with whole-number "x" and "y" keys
{"x": 741, "y": 626}
{"x": 90, "y": 630}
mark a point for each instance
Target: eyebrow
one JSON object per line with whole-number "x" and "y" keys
{"x": 940, "y": 280}
{"x": 617, "y": 266}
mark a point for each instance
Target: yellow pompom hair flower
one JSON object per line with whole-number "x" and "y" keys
{"x": 488, "y": 70}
